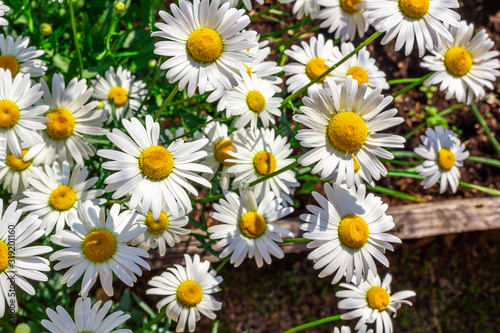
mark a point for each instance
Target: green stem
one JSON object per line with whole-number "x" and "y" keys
{"x": 295, "y": 240}
{"x": 398, "y": 81}
{"x": 483, "y": 124}
{"x": 151, "y": 85}
{"x": 75, "y": 37}
{"x": 156, "y": 319}
{"x": 111, "y": 32}
{"x": 484, "y": 160}
{"x": 265, "y": 11}
{"x": 226, "y": 259}
{"x": 166, "y": 102}
{"x": 284, "y": 30}
{"x": 411, "y": 86}
{"x": 394, "y": 193}
{"x": 312, "y": 324}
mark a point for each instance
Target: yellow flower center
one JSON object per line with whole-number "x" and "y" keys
{"x": 9, "y": 114}
{"x": 348, "y": 6}
{"x": 353, "y": 231}
{"x": 22, "y": 328}
{"x": 264, "y": 162}
{"x": 62, "y": 198}
{"x": 414, "y": 9}
{"x": 347, "y": 131}
{"x": 156, "y": 162}
{"x": 189, "y": 293}
{"x": 8, "y": 62}
{"x": 445, "y": 159}
{"x": 256, "y": 101}
{"x": 253, "y": 225}
{"x": 118, "y": 95}
{"x": 99, "y": 245}
{"x": 157, "y": 226}
{"x": 61, "y": 123}
{"x": 458, "y": 61}
{"x": 359, "y": 74}
{"x": 315, "y": 67}
{"x": 4, "y": 256}
{"x": 17, "y": 164}
{"x": 377, "y": 298}
{"x": 221, "y": 150}
{"x": 356, "y": 164}
{"x": 205, "y": 45}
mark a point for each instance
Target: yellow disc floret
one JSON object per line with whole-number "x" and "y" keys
{"x": 264, "y": 162}
{"x": 118, "y": 95}
{"x": 445, "y": 159}
{"x": 348, "y": 6}
{"x": 99, "y": 245}
{"x": 61, "y": 123}
{"x": 221, "y": 150}
{"x": 458, "y": 61}
{"x": 204, "y": 45}
{"x": 156, "y": 226}
{"x": 378, "y": 298}
{"x": 315, "y": 67}
{"x": 4, "y": 256}
{"x": 156, "y": 162}
{"x": 189, "y": 293}
{"x": 347, "y": 131}
{"x": 8, "y": 62}
{"x": 17, "y": 164}
{"x": 353, "y": 231}
{"x": 253, "y": 225}
{"x": 414, "y": 9}
{"x": 359, "y": 74}
{"x": 356, "y": 164}
{"x": 62, "y": 198}
{"x": 256, "y": 101}
{"x": 9, "y": 114}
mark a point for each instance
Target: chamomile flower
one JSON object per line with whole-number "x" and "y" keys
{"x": 410, "y": 20}
{"x": 88, "y": 318}
{"x": 311, "y": 59}
{"x": 120, "y": 92}
{"x": 188, "y": 292}
{"x": 360, "y": 66}
{"x": 343, "y": 124}
{"x": 19, "y": 118}
{"x": 19, "y": 262}
{"x": 259, "y": 153}
{"x": 264, "y": 69}
{"x": 347, "y": 231}
{"x": 372, "y": 302}
{"x": 463, "y": 68}
{"x": 444, "y": 154}
{"x": 16, "y": 56}
{"x": 303, "y": 8}
{"x": 246, "y": 228}
{"x": 151, "y": 173}
{"x": 15, "y": 172}
{"x": 95, "y": 247}
{"x": 55, "y": 192}
{"x": 3, "y": 10}
{"x": 345, "y": 17}
{"x": 203, "y": 44}
{"x": 347, "y": 329}
{"x": 164, "y": 230}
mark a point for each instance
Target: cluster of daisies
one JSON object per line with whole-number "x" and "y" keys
{"x": 44, "y": 145}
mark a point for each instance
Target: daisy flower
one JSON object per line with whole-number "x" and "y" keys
{"x": 345, "y": 17}
{"x": 246, "y": 228}
{"x": 119, "y": 90}
{"x": 259, "y": 153}
{"x": 247, "y": 3}
{"x": 360, "y": 66}
{"x": 444, "y": 154}
{"x": 303, "y": 8}
{"x": 151, "y": 173}
{"x": 372, "y": 302}
{"x": 54, "y": 194}
{"x": 347, "y": 231}
{"x": 16, "y": 56}
{"x": 264, "y": 69}
{"x": 463, "y": 68}
{"x": 19, "y": 118}
{"x": 360, "y": 176}
{"x": 161, "y": 231}
{"x": 410, "y": 20}
{"x": 311, "y": 59}
{"x": 95, "y": 247}
{"x": 19, "y": 262}
{"x": 343, "y": 124}
{"x": 15, "y": 172}
{"x": 88, "y": 318}
{"x": 203, "y": 43}
{"x": 188, "y": 292}
{"x": 3, "y": 10}
{"x": 347, "y": 329}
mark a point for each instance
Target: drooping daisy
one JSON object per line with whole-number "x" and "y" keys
{"x": 88, "y": 318}
{"x": 372, "y": 302}
{"x": 259, "y": 153}
{"x": 120, "y": 92}
{"x": 203, "y": 43}
{"x": 347, "y": 231}
{"x": 19, "y": 118}
{"x": 345, "y": 17}
{"x": 303, "y": 8}
{"x": 3, "y": 10}
{"x": 444, "y": 154}
{"x": 54, "y": 194}
{"x": 246, "y": 228}
{"x": 410, "y": 20}
{"x": 19, "y": 262}
{"x": 15, "y": 172}
{"x": 16, "y": 56}
{"x": 311, "y": 59}
{"x": 360, "y": 66}
{"x": 95, "y": 247}
{"x": 463, "y": 68}
{"x": 188, "y": 292}
{"x": 347, "y": 329}
{"x": 151, "y": 173}
{"x": 343, "y": 124}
